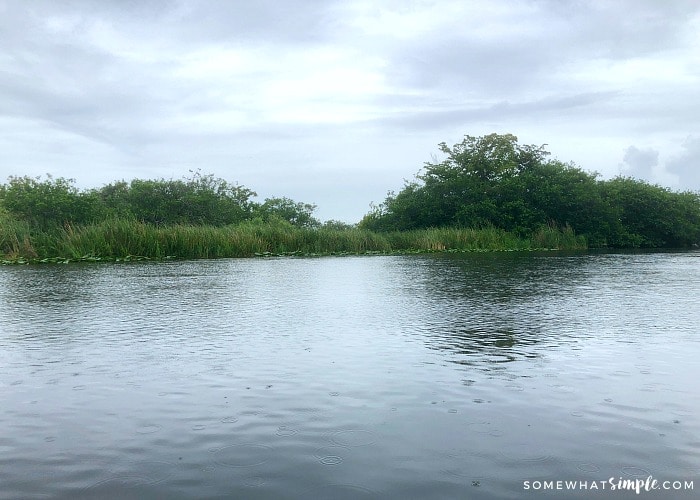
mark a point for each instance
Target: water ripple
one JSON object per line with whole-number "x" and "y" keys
{"x": 309, "y": 373}
{"x": 353, "y": 437}
{"x": 243, "y": 455}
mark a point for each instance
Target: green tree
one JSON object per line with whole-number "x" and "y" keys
{"x": 494, "y": 181}
{"x": 199, "y": 200}
{"x": 651, "y": 215}
{"x": 52, "y": 202}
{"x": 564, "y": 195}
{"x": 298, "y": 214}
{"x": 115, "y": 200}
{"x": 475, "y": 185}
{"x": 337, "y": 225}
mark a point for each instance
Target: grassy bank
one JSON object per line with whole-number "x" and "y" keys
{"x": 117, "y": 239}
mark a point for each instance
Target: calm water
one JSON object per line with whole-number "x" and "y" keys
{"x": 358, "y": 377}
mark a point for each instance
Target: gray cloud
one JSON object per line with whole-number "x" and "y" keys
{"x": 271, "y": 21}
{"x": 680, "y": 171}
{"x": 502, "y": 111}
{"x": 640, "y": 163}
{"x": 185, "y": 21}
{"x": 539, "y": 39}
{"x": 621, "y": 29}
{"x": 687, "y": 164}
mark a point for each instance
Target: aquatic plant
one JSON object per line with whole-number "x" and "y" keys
{"x": 15, "y": 237}
{"x": 125, "y": 238}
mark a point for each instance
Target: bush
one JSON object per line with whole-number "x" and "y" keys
{"x": 48, "y": 203}
{"x": 492, "y": 181}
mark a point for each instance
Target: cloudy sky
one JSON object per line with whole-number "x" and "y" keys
{"x": 336, "y": 102}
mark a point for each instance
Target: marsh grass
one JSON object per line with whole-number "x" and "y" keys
{"x": 15, "y": 238}
{"x": 550, "y": 237}
{"x": 446, "y": 239}
{"x": 121, "y": 238}
{"x": 485, "y": 239}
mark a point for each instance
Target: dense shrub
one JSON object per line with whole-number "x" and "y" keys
{"x": 199, "y": 200}
{"x": 52, "y": 202}
{"x": 202, "y": 199}
{"x": 493, "y": 181}
{"x": 298, "y": 214}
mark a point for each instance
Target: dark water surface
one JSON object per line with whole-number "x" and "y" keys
{"x": 417, "y": 377}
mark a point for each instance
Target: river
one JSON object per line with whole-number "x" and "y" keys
{"x": 485, "y": 375}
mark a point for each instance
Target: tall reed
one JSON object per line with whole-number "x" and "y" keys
{"x": 15, "y": 238}
{"x": 118, "y": 238}
{"x": 439, "y": 239}
{"x": 550, "y": 237}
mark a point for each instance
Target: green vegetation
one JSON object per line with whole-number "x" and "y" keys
{"x": 118, "y": 239}
{"x": 490, "y": 193}
{"x": 492, "y": 181}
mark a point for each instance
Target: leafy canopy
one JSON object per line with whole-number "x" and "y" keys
{"x": 197, "y": 200}
{"x": 493, "y": 181}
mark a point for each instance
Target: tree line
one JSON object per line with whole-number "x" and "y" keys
{"x": 197, "y": 200}
{"x": 489, "y": 182}
{"x": 493, "y": 181}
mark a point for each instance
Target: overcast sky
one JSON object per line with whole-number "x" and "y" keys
{"x": 336, "y": 102}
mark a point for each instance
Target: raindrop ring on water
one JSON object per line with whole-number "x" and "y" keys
{"x": 148, "y": 429}
{"x": 242, "y": 455}
{"x": 330, "y": 455}
{"x": 353, "y": 437}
